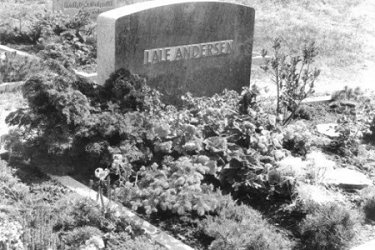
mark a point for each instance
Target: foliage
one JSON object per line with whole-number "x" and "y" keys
{"x": 71, "y": 40}
{"x": 176, "y": 186}
{"x": 168, "y": 157}
{"x": 123, "y": 240}
{"x": 78, "y": 236}
{"x": 38, "y": 223}
{"x": 297, "y": 138}
{"x": 346, "y": 144}
{"x": 10, "y": 234}
{"x": 33, "y": 27}
{"x": 347, "y": 94}
{"x": 241, "y": 227}
{"x": 45, "y": 216}
{"x": 328, "y": 226}
{"x": 293, "y": 77}
{"x": 368, "y": 202}
{"x": 11, "y": 188}
{"x": 17, "y": 68}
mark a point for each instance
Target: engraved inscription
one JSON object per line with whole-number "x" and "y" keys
{"x": 87, "y": 4}
{"x": 186, "y": 52}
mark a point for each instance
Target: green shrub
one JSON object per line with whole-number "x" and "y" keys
{"x": 123, "y": 240}
{"x": 297, "y": 138}
{"x": 293, "y": 76}
{"x": 328, "y": 227}
{"x": 368, "y": 202}
{"x": 78, "y": 236}
{"x": 205, "y": 143}
{"x": 11, "y": 188}
{"x": 241, "y": 227}
{"x": 73, "y": 211}
{"x": 17, "y": 68}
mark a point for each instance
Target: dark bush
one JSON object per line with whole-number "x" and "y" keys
{"x": 328, "y": 227}
{"x": 241, "y": 227}
{"x": 368, "y": 202}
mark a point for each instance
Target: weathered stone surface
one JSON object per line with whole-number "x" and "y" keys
{"x": 180, "y": 46}
{"x": 94, "y": 7}
{"x": 346, "y": 178}
{"x": 328, "y": 129}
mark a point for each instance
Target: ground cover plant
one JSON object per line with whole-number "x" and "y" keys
{"x": 37, "y": 213}
{"x": 180, "y": 163}
{"x": 71, "y": 40}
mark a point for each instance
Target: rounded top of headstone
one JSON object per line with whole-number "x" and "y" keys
{"x": 137, "y": 7}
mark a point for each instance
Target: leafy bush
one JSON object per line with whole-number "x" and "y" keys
{"x": 293, "y": 77}
{"x": 123, "y": 240}
{"x": 368, "y": 202}
{"x": 207, "y": 142}
{"x": 78, "y": 236}
{"x": 176, "y": 186}
{"x": 346, "y": 144}
{"x": 10, "y": 234}
{"x": 241, "y": 227}
{"x": 297, "y": 138}
{"x": 17, "y": 68}
{"x": 329, "y": 226}
{"x": 11, "y": 188}
{"x": 71, "y": 40}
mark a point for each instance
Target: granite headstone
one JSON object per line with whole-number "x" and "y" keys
{"x": 198, "y": 46}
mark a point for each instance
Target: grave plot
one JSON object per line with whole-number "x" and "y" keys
{"x": 228, "y": 171}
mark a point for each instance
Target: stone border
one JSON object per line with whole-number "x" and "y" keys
{"x": 88, "y": 76}
{"x": 10, "y": 86}
{"x": 18, "y": 52}
{"x": 318, "y": 99}
{"x": 153, "y": 232}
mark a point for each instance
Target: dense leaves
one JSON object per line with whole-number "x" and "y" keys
{"x": 167, "y": 158}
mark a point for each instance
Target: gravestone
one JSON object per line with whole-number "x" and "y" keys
{"x": 198, "y": 46}
{"x": 94, "y": 7}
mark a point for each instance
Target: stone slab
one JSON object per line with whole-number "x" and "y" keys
{"x": 156, "y": 234}
{"x": 346, "y": 178}
{"x": 88, "y": 76}
{"x": 317, "y": 99}
{"x": 198, "y": 46}
{"x": 4, "y": 48}
{"x": 328, "y": 129}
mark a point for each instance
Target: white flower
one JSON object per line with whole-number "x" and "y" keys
{"x": 101, "y": 174}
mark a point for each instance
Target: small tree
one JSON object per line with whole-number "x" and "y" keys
{"x": 293, "y": 75}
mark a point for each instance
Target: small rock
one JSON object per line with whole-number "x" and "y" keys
{"x": 346, "y": 178}
{"x": 333, "y": 105}
{"x": 329, "y": 129}
{"x": 350, "y": 104}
